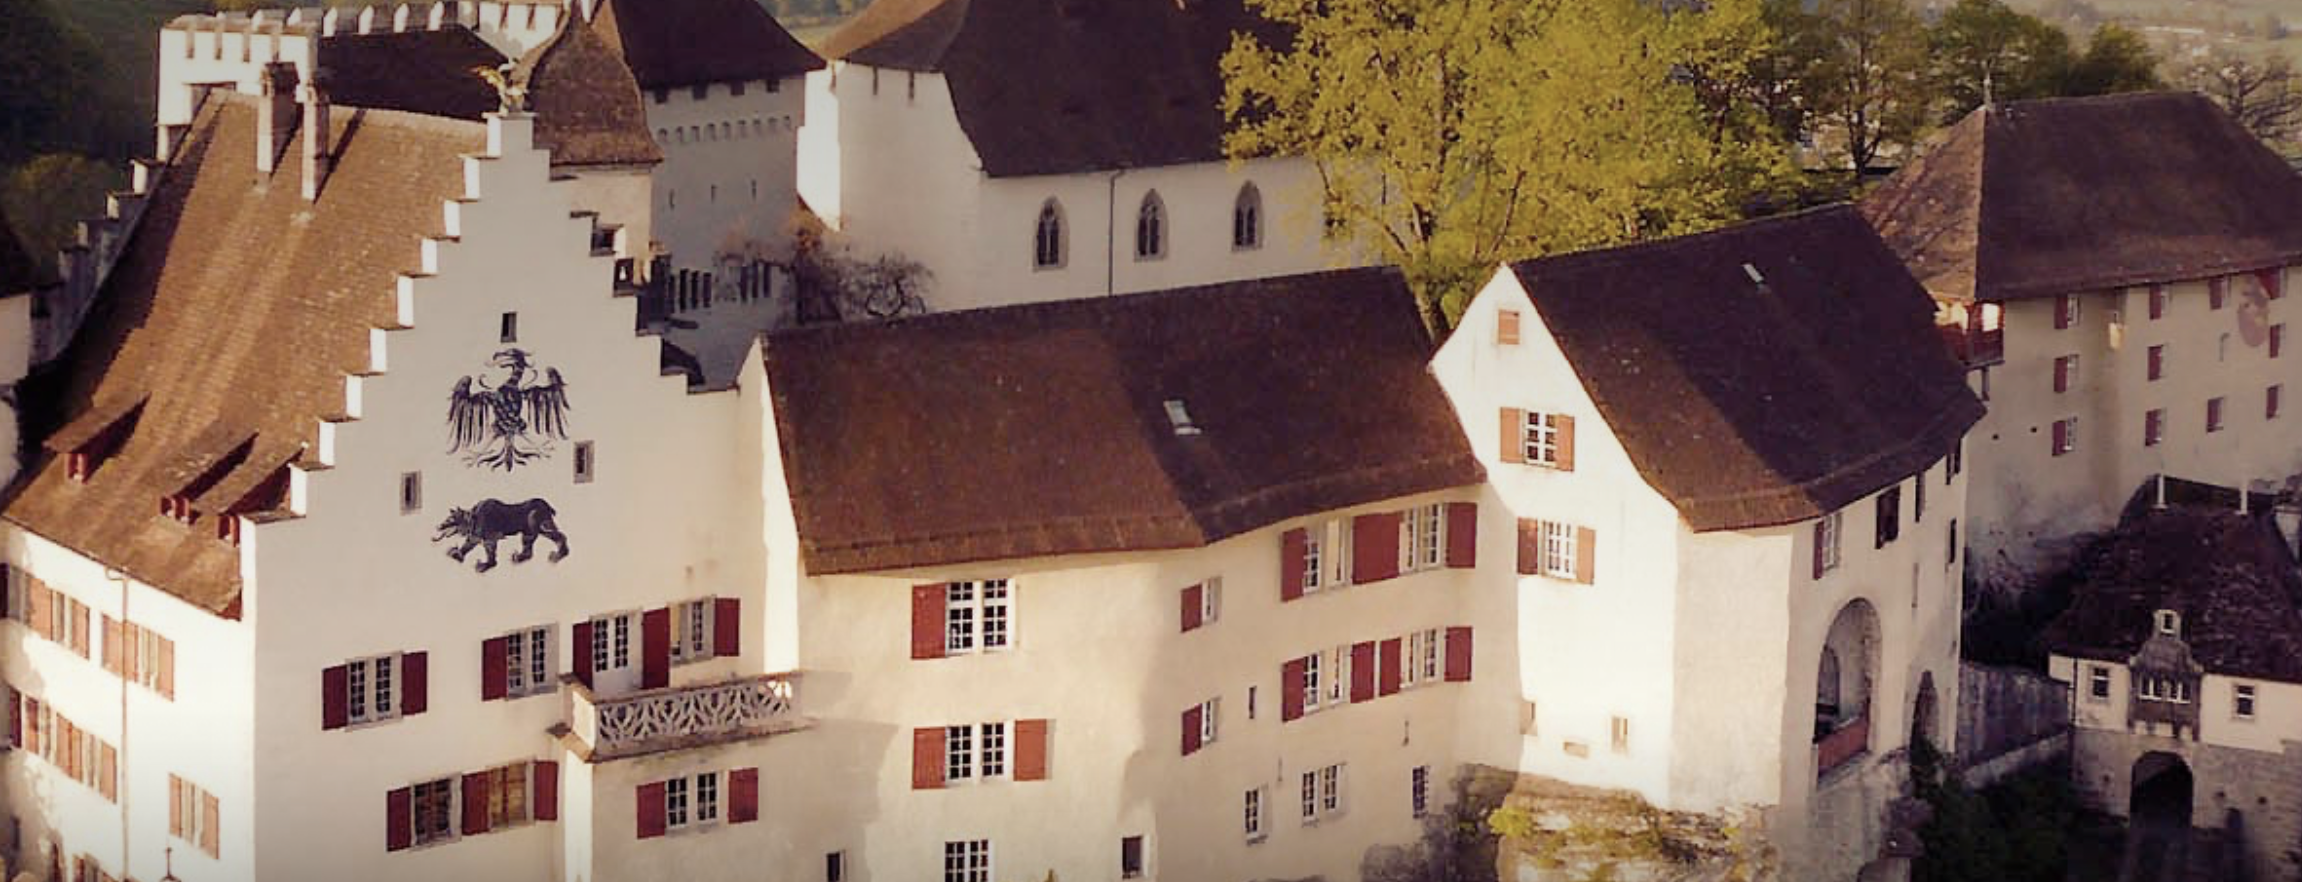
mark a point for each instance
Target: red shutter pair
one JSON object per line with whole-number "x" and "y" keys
{"x": 927, "y": 602}
{"x": 742, "y": 802}
{"x": 1192, "y": 720}
{"x": 1030, "y": 745}
{"x": 335, "y": 690}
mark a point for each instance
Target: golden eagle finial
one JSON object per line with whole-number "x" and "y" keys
{"x": 512, "y": 96}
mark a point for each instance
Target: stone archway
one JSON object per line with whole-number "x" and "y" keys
{"x": 1846, "y": 671}
{"x": 2160, "y": 791}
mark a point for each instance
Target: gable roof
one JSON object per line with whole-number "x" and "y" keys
{"x": 587, "y": 104}
{"x": 2035, "y": 198}
{"x": 2230, "y": 576}
{"x": 1068, "y": 86}
{"x": 19, "y": 273}
{"x": 235, "y": 313}
{"x": 1753, "y": 405}
{"x": 1042, "y": 429}
{"x": 671, "y": 43}
{"x": 419, "y": 71}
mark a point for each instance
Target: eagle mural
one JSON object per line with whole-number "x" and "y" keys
{"x": 512, "y": 423}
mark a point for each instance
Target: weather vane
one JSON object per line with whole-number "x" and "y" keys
{"x": 512, "y": 96}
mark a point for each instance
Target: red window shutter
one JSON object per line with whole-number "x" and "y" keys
{"x": 1030, "y": 750}
{"x": 1291, "y": 690}
{"x": 1191, "y": 720}
{"x": 475, "y": 803}
{"x": 175, "y": 806}
{"x": 1362, "y": 671}
{"x": 650, "y": 809}
{"x": 399, "y": 819}
{"x": 1192, "y": 606}
{"x": 1564, "y": 426}
{"x": 927, "y": 620}
{"x": 16, "y": 719}
{"x": 742, "y": 796}
{"x": 927, "y": 758}
{"x": 2270, "y": 279}
{"x": 655, "y": 648}
{"x": 2062, "y": 374}
{"x": 2061, "y": 437}
{"x": 1514, "y": 440}
{"x": 210, "y": 833}
{"x": 1530, "y": 547}
{"x": 111, "y": 645}
{"x": 335, "y": 691}
{"x": 1821, "y": 545}
{"x": 1294, "y": 549}
{"x": 580, "y": 654}
{"x": 495, "y": 672}
{"x": 547, "y": 790}
{"x": 1458, "y": 655}
{"x": 415, "y": 685}
{"x": 2061, "y": 311}
{"x": 726, "y": 626}
{"x": 1387, "y": 676}
{"x": 1507, "y": 327}
{"x": 1462, "y": 534}
{"x": 1586, "y": 555}
{"x": 1374, "y": 547}
{"x": 36, "y": 602}
{"x": 167, "y": 678}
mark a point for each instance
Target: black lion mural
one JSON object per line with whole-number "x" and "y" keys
{"x": 492, "y": 521}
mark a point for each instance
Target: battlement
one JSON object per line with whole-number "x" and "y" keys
{"x": 513, "y": 26}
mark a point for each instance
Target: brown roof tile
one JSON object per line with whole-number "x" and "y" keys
{"x": 587, "y": 105}
{"x": 237, "y": 309}
{"x": 1750, "y": 405}
{"x": 1041, "y": 429}
{"x": 1072, "y": 86}
{"x": 419, "y": 71}
{"x": 672, "y": 43}
{"x": 2035, "y": 198}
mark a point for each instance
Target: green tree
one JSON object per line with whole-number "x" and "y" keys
{"x": 1452, "y": 135}
{"x": 1869, "y": 86}
{"x": 48, "y": 68}
{"x": 2117, "y": 60}
{"x": 46, "y": 198}
{"x": 1984, "y": 51}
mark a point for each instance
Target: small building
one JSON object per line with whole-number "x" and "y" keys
{"x": 2114, "y": 273}
{"x": 2183, "y": 650}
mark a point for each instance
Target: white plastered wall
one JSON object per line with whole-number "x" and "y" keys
{"x": 726, "y": 184}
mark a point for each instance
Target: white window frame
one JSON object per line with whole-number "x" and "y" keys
{"x": 978, "y": 616}
{"x": 676, "y": 811}
{"x": 2069, "y": 437}
{"x": 2167, "y": 622}
{"x": 977, "y": 753}
{"x": 2098, "y": 683}
{"x": 691, "y": 630}
{"x": 1421, "y": 666}
{"x": 2166, "y": 689}
{"x": 453, "y": 811}
{"x": 528, "y": 661}
{"x": 1310, "y": 797}
{"x": 967, "y": 860}
{"x": 1252, "y": 820}
{"x": 1619, "y": 734}
{"x": 1210, "y": 601}
{"x": 2244, "y": 701}
{"x": 1311, "y": 690}
{"x": 1419, "y": 791}
{"x": 1314, "y": 557}
{"x": 1207, "y": 725}
{"x": 1423, "y": 538}
{"x": 1339, "y": 677}
{"x": 1331, "y": 782}
{"x": 611, "y": 642}
{"x": 1539, "y": 438}
{"x": 1557, "y": 546}
{"x": 1832, "y": 537}
{"x": 369, "y": 685}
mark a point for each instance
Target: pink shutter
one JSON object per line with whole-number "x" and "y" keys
{"x": 495, "y": 670}
{"x": 335, "y": 692}
{"x": 927, "y": 620}
{"x": 1586, "y": 555}
{"x": 415, "y": 683}
{"x": 1462, "y": 534}
{"x": 927, "y": 758}
{"x": 1514, "y": 438}
{"x": 1564, "y": 427}
{"x": 1193, "y": 604}
{"x": 1294, "y": 550}
{"x": 742, "y": 796}
{"x": 1362, "y": 672}
{"x": 399, "y": 819}
{"x": 1388, "y": 679}
{"x": 1191, "y": 720}
{"x": 1374, "y": 547}
{"x": 655, "y": 648}
{"x": 649, "y": 803}
{"x": 167, "y": 679}
{"x": 726, "y": 627}
{"x": 1291, "y": 690}
{"x": 579, "y": 655}
{"x": 547, "y": 790}
{"x": 475, "y": 803}
{"x": 1458, "y": 655}
{"x": 1030, "y": 750}
{"x": 1530, "y": 547}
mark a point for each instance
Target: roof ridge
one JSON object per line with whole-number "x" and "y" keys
{"x": 1604, "y": 255}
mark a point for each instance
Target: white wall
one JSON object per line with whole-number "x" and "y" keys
{"x": 727, "y": 179}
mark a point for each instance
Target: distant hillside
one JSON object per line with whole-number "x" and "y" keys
{"x": 2183, "y": 29}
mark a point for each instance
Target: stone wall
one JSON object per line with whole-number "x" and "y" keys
{"x": 2002, "y": 709}
{"x": 2264, "y": 788}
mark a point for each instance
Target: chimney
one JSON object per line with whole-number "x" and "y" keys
{"x": 317, "y": 156}
{"x": 275, "y": 115}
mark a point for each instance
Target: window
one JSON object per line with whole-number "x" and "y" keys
{"x": 611, "y": 642}
{"x": 2065, "y": 436}
{"x": 1419, "y": 790}
{"x": 2277, "y": 339}
{"x": 1207, "y": 711}
{"x": 2214, "y": 414}
{"x": 527, "y": 662}
{"x": 508, "y": 330}
{"x": 1253, "y": 821}
{"x": 433, "y": 815}
{"x": 967, "y": 861}
{"x": 662, "y": 95}
{"x": 1918, "y": 498}
{"x": 2153, "y": 427}
{"x": 834, "y": 863}
{"x": 2242, "y": 701}
{"x": 974, "y": 752}
{"x": 1506, "y": 327}
{"x": 1422, "y": 538}
{"x": 1826, "y": 537}
{"x": 1339, "y": 676}
{"x": 707, "y": 797}
{"x": 2166, "y": 689}
{"x": 701, "y": 92}
{"x": 1250, "y": 702}
{"x": 2065, "y": 311}
{"x": 1311, "y": 691}
{"x": 2270, "y": 398}
{"x": 2098, "y": 682}
{"x": 1331, "y": 790}
{"x": 975, "y": 616}
{"x": 1247, "y": 219}
{"x": 583, "y": 462}
{"x": 691, "y": 630}
{"x": 2065, "y": 373}
{"x": 411, "y": 492}
{"x": 2157, "y": 362}
{"x": 1951, "y": 556}
{"x": 507, "y": 794}
{"x": 2157, "y": 302}
{"x": 1889, "y": 516}
{"x": 141, "y": 656}
{"x": 1540, "y": 438}
{"x": 1955, "y": 461}
{"x": 1314, "y": 547}
{"x": 958, "y": 754}
{"x": 1047, "y": 242}
{"x": 1422, "y": 663}
{"x": 1327, "y": 554}
{"x": 1131, "y": 857}
{"x": 1557, "y": 541}
{"x": 1151, "y": 228}
{"x": 2167, "y": 622}
{"x": 372, "y": 695}
{"x": 1619, "y": 733}
{"x": 192, "y": 815}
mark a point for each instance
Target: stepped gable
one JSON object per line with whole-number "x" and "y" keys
{"x": 587, "y": 104}
{"x": 223, "y": 337}
{"x": 419, "y": 71}
{"x": 1751, "y": 404}
{"x": 2036, "y": 198}
{"x": 1067, "y": 86}
{"x": 1042, "y": 429}
{"x": 673, "y": 43}
{"x": 19, "y": 273}
{"x": 2230, "y": 576}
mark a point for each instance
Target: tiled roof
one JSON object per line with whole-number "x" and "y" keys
{"x": 19, "y": 273}
{"x": 420, "y": 71}
{"x": 2036, "y": 198}
{"x": 672, "y": 43}
{"x": 1066, "y": 86}
{"x": 235, "y": 313}
{"x": 587, "y": 105}
{"x": 1042, "y": 429}
{"x": 1751, "y": 404}
{"x": 2230, "y": 576}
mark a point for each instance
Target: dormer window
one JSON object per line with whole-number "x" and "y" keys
{"x": 2168, "y": 622}
{"x": 93, "y": 437}
{"x": 1180, "y": 417}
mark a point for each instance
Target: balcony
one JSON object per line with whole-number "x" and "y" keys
{"x": 1841, "y": 745}
{"x": 679, "y": 717}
